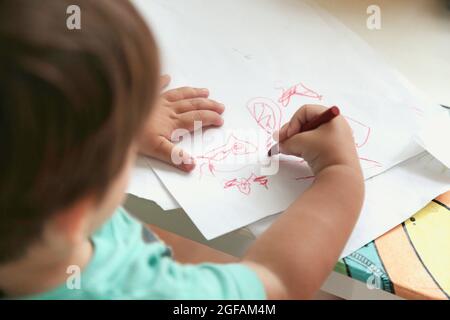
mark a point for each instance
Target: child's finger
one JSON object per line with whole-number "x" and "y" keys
{"x": 294, "y": 145}
{"x": 304, "y": 114}
{"x": 281, "y": 134}
{"x": 164, "y": 81}
{"x": 185, "y": 93}
{"x": 206, "y": 117}
{"x": 167, "y": 152}
{"x": 187, "y": 105}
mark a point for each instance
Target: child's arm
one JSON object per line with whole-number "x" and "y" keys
{"x": 297, "y": 253}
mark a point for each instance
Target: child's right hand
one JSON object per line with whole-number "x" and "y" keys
{"x": 330, "y": 144}
{"x": 317, "y": 225}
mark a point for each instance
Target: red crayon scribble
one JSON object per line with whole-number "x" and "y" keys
{"x": 305, "y": 178}
{"x": 369, "y": 164}
{"x": 418, "y": 111}
{"x": 244, "y": 184}
{"x": 262, "y": 180}
{"x": 299, "y": 90}
{"x": 361, "y": 132}
{"x": 233, "y": 147}
{"x": 266, "y": 112}
{"x": 269, "y": 142}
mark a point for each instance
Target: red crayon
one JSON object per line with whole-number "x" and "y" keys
{"x": 321, "y": 119}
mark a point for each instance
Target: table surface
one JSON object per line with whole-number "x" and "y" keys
{"x": 413, "y": 259}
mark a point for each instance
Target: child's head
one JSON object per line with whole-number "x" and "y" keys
{"x": 72, "y": 103}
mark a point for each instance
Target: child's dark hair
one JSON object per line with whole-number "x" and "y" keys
{"x": 71, "y": 102}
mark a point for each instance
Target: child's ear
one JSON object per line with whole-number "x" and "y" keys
{"x": 72, "y": 223}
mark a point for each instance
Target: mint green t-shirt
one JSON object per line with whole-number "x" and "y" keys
{"x": 126, "y": 266}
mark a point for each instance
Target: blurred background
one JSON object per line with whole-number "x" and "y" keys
{"x": 414, "y": 38}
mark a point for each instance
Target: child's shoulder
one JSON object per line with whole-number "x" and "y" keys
{"x": 120, "y": 224}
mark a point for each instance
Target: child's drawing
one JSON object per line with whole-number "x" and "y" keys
{"x": 361, "y": 132}
{"x": 299, "y": 90}
{"x": 418, "y": 111}
{"x": 267, "y": 114}
{"x": 234, "y": 147}
{"x": 305, "y": 178}
{"x": 361, "y": 135}
{"x": 367, "y": 164}
{"x": 244, "y": 184}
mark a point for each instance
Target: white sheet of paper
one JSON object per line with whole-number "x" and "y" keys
{"x": 435, "y": 137}
{"x": 390, "y": 199}
{"x": 146, "y": 185}
{"x": 263, "y": 59}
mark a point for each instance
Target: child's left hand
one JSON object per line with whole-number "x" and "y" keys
{"x": 177, "y": 109}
